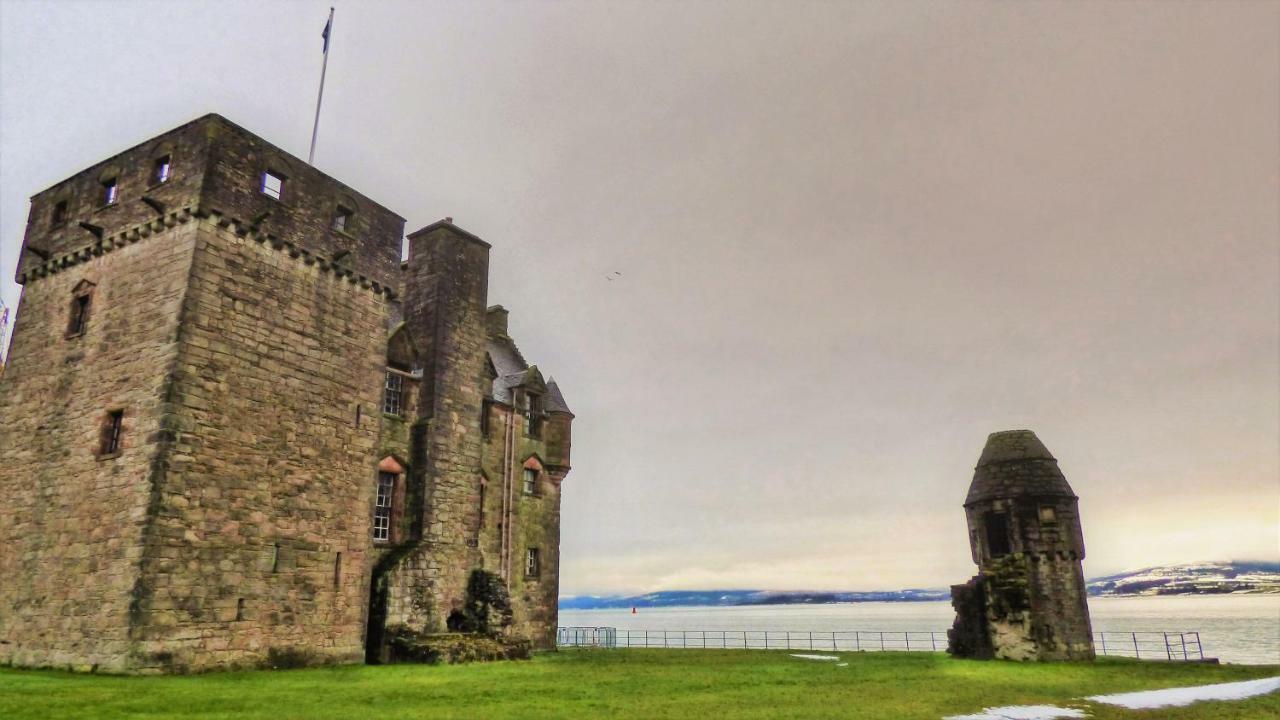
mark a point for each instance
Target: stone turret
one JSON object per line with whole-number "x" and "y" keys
{"x": 1028, "y": 601}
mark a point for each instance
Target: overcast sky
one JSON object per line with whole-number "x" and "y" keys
{"x": 853, "y": 238}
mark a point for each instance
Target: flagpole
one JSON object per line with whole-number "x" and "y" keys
{"x": 315, "y": 128}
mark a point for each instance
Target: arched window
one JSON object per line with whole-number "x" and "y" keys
{"x": 388, "y": 501}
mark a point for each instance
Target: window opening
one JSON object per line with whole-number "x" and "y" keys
{"x": 272, "y": 185}
{"x": 240, "y": 609}
{"x": 161, "y": 172}
{"x": 59, "y": 216}
{"x": 393, "y": 393}
{"x": 342, "y": 219}
{"x": 997, "y": 525}
{"x": 531, "y": 563}
{"x": 337, "y": 571}
{"x": 275, "y": 558}
{"x": 530, "y": 481}
{"x": 111, "y": 432}
{"x": 79, "y": 315}
{"x": 109, "y": 189}
{"x": 1047, "y": 514}
{"x": 533, "y": 415}
{"x": 382, "y": 506}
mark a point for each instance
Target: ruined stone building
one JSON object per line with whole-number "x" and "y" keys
{"x": 236, "y": 427}
{"x": 1028, "y": 601}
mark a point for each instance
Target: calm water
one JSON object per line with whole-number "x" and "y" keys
{"x": 1234, "y": 628}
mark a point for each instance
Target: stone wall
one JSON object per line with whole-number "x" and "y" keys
{"x": 71, "y": 523}
{"x": 258, "y": 551}
{"x": 446, "y": 284}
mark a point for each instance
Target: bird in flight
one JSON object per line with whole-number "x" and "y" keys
{"x": 611, "y": 277}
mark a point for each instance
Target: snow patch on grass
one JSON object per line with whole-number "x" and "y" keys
{"x": 1022, "y": 712}
{"x": 1175, "y": 697}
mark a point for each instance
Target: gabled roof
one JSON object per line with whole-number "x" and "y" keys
{"x": 512, "y": 371}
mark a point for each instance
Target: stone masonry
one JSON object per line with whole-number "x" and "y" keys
{"x": 238, "y": 430}
{"x": 1028, "y": 601}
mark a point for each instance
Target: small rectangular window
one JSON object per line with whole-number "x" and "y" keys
{"x": 382, "y": 506}
{"x": 1047, "y": 515}
{"x": 530, "y": 481}
{"x": 272, "y": 185}
{"x": 531, "y": 563}
{"x": 997, "y": 534}
{"x": 59, "y": 216}
{"x": 533, "y": 415}
{"x": 393, "y": 394}
{"x": 111, "y": 432}
{"x": 161, "y": 173}
{"x": 79, "y": 315}
{"x": 341, "y": 219}
{"x": 109, "y": 189}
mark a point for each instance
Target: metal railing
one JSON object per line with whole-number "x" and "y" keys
{"x": 886, "y": 640}
{"x": 1167, "y": 646}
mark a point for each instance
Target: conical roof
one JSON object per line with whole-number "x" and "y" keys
{"x": 1015, "y": 463}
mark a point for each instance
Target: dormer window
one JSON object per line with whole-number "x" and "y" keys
{"x": 342, "y": 219}
{"x": 272, "y": 184}
{"x": 532, "y": 415}
{"x": 160, "y": 173}
{"x": 530, "y": 484}
{"x": 109, "y": 191}
{"x": 58, "y": 217}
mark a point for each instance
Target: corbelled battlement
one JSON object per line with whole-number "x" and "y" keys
{"x": 214, "y": 164}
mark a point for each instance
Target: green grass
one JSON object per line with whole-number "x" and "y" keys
{"x": 647, "y": 684}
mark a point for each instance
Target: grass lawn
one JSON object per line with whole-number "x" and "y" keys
{"x": 648, "y": 684}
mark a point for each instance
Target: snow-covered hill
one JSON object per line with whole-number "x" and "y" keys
{"x": 1192, "y": 579}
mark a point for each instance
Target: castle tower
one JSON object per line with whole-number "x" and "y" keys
{"x": 1028, "y": 601}
{"x": 220, "y": 425}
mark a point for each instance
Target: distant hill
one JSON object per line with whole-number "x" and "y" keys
{"x": 711, "y": 598}
{"x": 1189, "y": 579}
{"x": 1213, "y": 578}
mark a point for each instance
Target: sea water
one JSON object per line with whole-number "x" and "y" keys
{"x": 1234, "y": 628}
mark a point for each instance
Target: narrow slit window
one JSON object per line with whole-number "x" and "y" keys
{"x": 532, "y": 563}
{"x": 272, "y": 185}
{"x": 530, "y": 481}
{"x": 109, "y": 191}
{"x": 393, "y": 394}
{"x": 59, "y": 216}
{"x": 382, "y": 506}
{"x": 337, "y": 571}
{"x": 160, "y": 174}
{"x": 79, "y": 319}
{"x": 342, "y": 219}
{"x": 111, "y": 433}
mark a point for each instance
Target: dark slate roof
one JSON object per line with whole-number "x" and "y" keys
{"x": 555, "y": 400}
{"x": 513, "y": 371}
{"x": 1015, "y": 463}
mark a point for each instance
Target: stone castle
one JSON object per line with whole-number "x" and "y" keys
{"x": 235, "y": 427}
{"x": 1029, "y": 600}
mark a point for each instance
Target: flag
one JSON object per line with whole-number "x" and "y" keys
{"x": 327, "y": 26}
